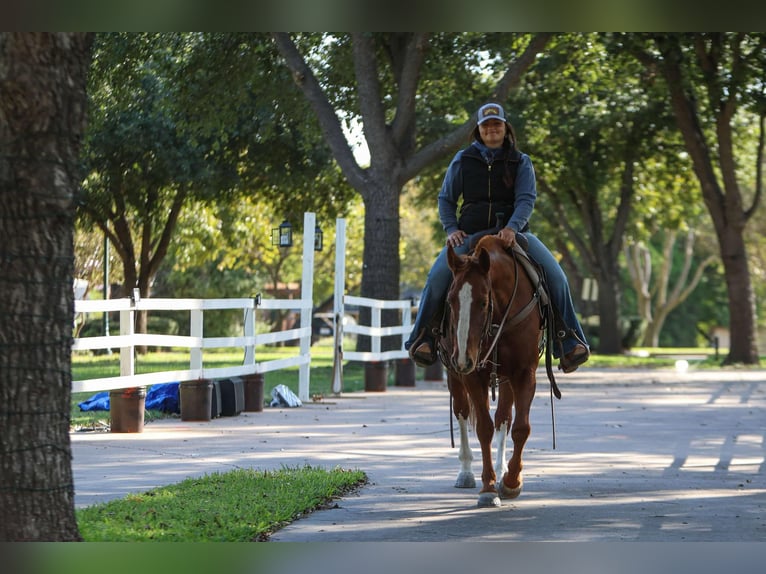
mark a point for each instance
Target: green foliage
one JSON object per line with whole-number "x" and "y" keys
{"x": 708, "y": 308}
{"x": 216, "y": 121}
{"x": 584, "y": 112}
{"x": 139, "y": 144}
{"x": 418, "y": 245}
{"x": 178, "y": 119}
{"x": 243, "y": 505}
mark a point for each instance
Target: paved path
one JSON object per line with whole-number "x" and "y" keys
{"x": 640, "y": 456}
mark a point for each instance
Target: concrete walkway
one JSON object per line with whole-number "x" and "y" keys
{"x": 640, "y": 456}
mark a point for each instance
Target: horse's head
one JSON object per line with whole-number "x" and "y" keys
{"x": 470, "y": 307}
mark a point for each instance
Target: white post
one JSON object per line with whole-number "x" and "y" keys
{"x": 307, "y": 299}
{"x": 249, "y": 329}
{"x": 127, "y": 327}
{"x": 338, "y": 310}
{"x": 195, "y": 330}
{"x": 375, "y": 322}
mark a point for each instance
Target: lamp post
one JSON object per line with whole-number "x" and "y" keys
{"x": 318, "y": 238}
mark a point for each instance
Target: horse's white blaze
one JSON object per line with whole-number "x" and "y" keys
{"x": 465, "y": 456}
{"x": 465, "y": 297}
{"x": 501, "y": 439}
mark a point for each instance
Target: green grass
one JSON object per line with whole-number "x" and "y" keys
{"x": 237, "y": 506}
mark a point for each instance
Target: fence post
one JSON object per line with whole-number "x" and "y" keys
{"x": 249, "y": 329}
{"x": 127, "y": 353}
{"x": 126, "y": 406}
{"x": 405, "y": 368}
{"x": 375, "y": 373}
{"x": 195, "y": 330}
{"x": 338, "y": 308}
{"x": 307, "y": 299}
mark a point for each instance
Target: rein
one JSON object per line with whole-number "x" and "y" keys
{"x": 494, "y": 330}
{"x": 515, "y": 320}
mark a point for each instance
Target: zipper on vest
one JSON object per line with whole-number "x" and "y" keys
{"x": 489, "y": 195}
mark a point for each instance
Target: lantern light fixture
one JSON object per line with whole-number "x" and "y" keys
{"x": 282, "y": 236}
{"x": 318, "y": 239}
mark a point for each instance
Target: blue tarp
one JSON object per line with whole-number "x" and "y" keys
{"x": 98, "y": 402}
{"x": 162, "y": 397}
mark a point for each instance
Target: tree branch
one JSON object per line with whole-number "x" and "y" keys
{"x": 368, "y": 90}
{"x": 688, "y": 121}
{"x": 413, "y": 58}
{"x": 328, "y": 120}
{"x": 452, "y": 141}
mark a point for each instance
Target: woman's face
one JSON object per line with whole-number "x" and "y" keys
{"x": 492, "y": 133}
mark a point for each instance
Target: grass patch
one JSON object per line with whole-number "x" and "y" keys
{"x": 238, "y": 506}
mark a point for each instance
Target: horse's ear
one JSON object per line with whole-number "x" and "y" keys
{"x": 484, "y": 260}
{"x": 453, "y": 259}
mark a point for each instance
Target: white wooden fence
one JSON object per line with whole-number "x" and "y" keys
{"x": 196, "y": 342}
{"x": 374, "y": 329}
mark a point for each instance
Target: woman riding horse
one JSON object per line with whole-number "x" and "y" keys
{"x": 493, "y": 330}
{"x": 493, "y": 177}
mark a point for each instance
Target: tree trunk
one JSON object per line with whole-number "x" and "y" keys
{"x": 610, "y": 331}
{"x": 744, "y": 345}
{"x": 42, "y": 120}
{"x": 724, "y": 203}
{"x": 380, "y": 275}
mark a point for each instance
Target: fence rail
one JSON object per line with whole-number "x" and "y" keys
{"x": 376, "y": 332}
{"x": 196, "y": 342}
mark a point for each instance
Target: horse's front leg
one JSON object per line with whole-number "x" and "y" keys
{"x": 512, "y": 482}
{"x": 465, "y": 478}
{"x": 503, "y": 416}
{"x": 484, "y": 432}
{"x": 461, "y": 408}
{"x": 488, "y": 495}
{"x": 501, "y": 440}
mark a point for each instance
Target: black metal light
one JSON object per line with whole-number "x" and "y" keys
{"x": 318, "y": 239}
{"x": 282, "y": 235}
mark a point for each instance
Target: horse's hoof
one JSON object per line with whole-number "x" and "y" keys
{"x": 465, "y": 480}
{"x": 508, "y": 493}
{"x": 488, "y": 500}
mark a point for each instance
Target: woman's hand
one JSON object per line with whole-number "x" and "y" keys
{"x": 456, "y": 238}
{"x": 508, "y": 236}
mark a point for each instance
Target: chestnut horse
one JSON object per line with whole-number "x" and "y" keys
{"x": 491, "y": 338}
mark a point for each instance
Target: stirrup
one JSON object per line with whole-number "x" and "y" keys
{"x": 423, "y": 350}
{"x": 569, "y": 364}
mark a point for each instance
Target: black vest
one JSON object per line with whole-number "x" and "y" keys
{"x": 485, "y": 189}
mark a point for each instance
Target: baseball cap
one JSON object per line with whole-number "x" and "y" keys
{"x": 491, "y": 112}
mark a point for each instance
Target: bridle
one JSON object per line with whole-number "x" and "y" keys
{"x": 491, "y": 331}
{"x": 491, "y": 334}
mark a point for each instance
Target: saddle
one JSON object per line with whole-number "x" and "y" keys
{"x": 553, "y": 327}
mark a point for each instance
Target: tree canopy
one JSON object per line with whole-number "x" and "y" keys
{"x": 264, "y": 124}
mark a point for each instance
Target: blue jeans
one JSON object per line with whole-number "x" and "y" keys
{"x": 440, "y": 277}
